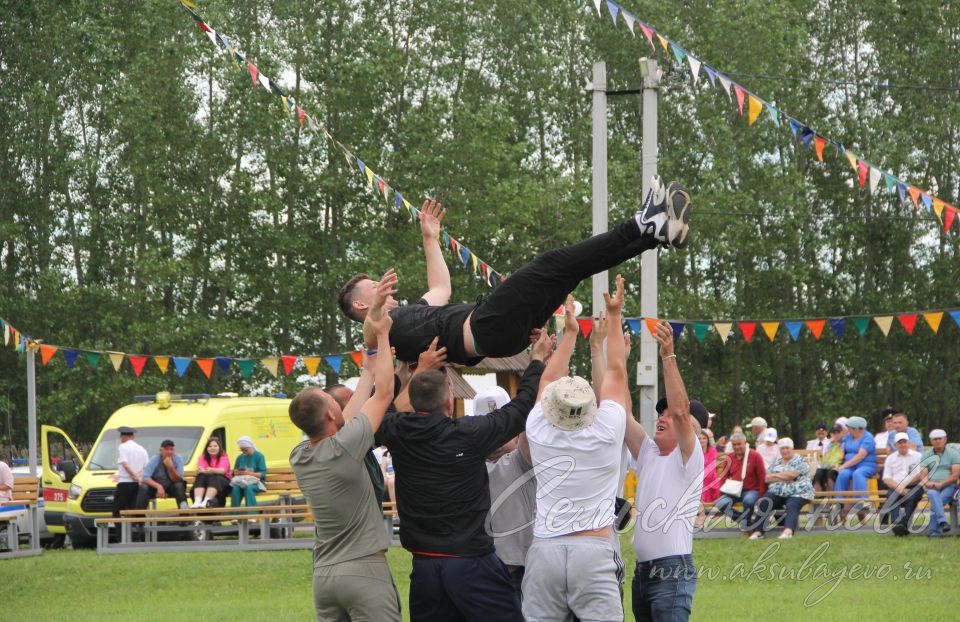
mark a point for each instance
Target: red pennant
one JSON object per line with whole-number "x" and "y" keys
{"x": 380, "y": 183}
{"x": 253, "y": 72}
{"x": 357, "y": 358}
{"x": 818, "y": 144}
{"x": 206, "y": 366}
{"x": 137, "y": 363}
{"x": 740, "y": 93}
{"x": 586, "y": 325}
{"x": 651, "y": 325}
{"x": 288, "y": 361}
{"x": 948, "y": 219}
{"x": 816, "y": 327}
{"x": 862, "y": 168}
{"x": 204, "y": 28}
{"x": 301, "y": 115}
{"x": 648, "y": 33}
{"x": 747, "y": 328}
{"x": 908, "y": 321}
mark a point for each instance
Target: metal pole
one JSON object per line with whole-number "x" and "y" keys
{"x": 601, "y": 281}
{"x": 648, "y": 366}
{"x": 32, "y": 408}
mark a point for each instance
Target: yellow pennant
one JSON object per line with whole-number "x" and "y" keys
{"x": 271, "y": 363}
{"x": 938, "y": 207}
{"x": 852, "y": 159}
{"x": 770, "y": 328}
{"x": 283, "y": 102}
{"x": 723, "y": 329}
{"x": 473, "y": 260}
{"x": 188, "y": 3}
{"x": 370, "y": 175}
{"x": 933, "y": 320}
{"x": 664, "y": 43}
{"x": 312, "y": 363}
{"x": 163, "y": 362}
{"x": 884, "y": 322}
{"x": 117, "y": 359}
{"x": 754, "y": 109}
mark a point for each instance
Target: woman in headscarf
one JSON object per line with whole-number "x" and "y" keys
{"x": 249, "y": 473}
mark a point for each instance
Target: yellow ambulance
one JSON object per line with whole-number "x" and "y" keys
{"x": 77, "y": 491}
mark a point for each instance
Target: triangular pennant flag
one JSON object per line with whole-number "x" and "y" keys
{"x": 382, "y": 186}
{"x": 925, "y": 199}
{"x": 398, "y": 201}
{"x": 694, "y": 68}
{"x": 933, "y": 321}
{"x": 711, "y": 74}
{"x": 838, "y": 327}
{"x": 265, "y": 83}
{"x": 206, "y": 366}
{"x": 630, "y": 18}
{"x": 725, "y": 83}
{"x": 956, "y": 316}
{"x": 648, "y": 33}
{"x": 774, "y": 114}
{"x": 884, "y": 322}
{"x": 949, "y": 218}
{"x": 288, "y": 361}
{"x": 301, "y": 115}
{"x": 723, "y": 329}
{"x": 163, "y": 363}
{"x": 254, "y": 73}
{"x": 740, "y": 95}
{"x": 361, "y": 166}
{"x": 312, "y": 363}
{"x": 370, "y": 176}
{"x": 357, "y": 357}
{"x": 938, "y": 207}
{"x": 753, "y": 110}
{"x": 334, "y": 361}
{"x": 117, "y": 359}
{"x": 137, "y": 363}
{"x": 92, "y": 359}
{"x": 664, "y": 43}
{"x": 889, "y": 182}
{"x": 908, "y": 321}
{"x": 181, "y": 363}
{"x": 634, "y": 326}
{"x": 862, "y": 170}
{"x": 70, "y": 356}
{"x": 597, "y": 3}
{"x": 700, "y": 330}
{"x": 902, "y": 191}
{"x": 816, "y": 328}
{"x": 270, "y": 363}
{"x": 875, "y": 176}
{"x": 46, "y": 353}
{"x": 651, "y": 325}
{"x": 852, "y": 159}
{"x": 795, "y": 126}
{"x": 807, "y": 137}
{"x": 861, "y": 323}
{"x": 464, "y": 255}
{"x": 677, "y": 329}
{"x": 678, "y": 52}
{"x": 6, "y": 332}
{"x": 586, "y": 325}
{"x": 747, "y": 329}
{"x": 614, "y": 9}
{"x": 223, "y": 362}
{"x": 202, "y": 26}
{"x": 914, "y": 193}
{"x": 246, "y": 366}
{"x": 475, "y": 264}
{"x": 770, "y": 328}
{"x": 819, "y": 142}
{"x": 794, "y": 329}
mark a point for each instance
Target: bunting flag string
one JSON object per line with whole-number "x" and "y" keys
{"x": 375, "y": 182}
{"x": 868, "y": 174}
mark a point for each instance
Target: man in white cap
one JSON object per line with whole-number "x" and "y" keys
{"x": 758, "y": 425}
{"x": 940, "y": 472}
{"x": 572, "y": 566}
{"x": 901, "y": 474}
{"x": 767, "y": 447}
{"x": 513, "y": 491}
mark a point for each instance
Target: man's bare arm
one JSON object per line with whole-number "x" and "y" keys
{"x": 559, "y": 363}
{"x": 677, "y": 401}
{"x": 438, "y": 275}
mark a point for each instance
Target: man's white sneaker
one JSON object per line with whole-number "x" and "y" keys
{"x": 666, "y": 213}
{"x": 756, "y": 536}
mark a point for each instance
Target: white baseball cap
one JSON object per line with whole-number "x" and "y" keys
{"x": 841, "y": 421}
{"x": 785, "y": 442}
{"x": 900, "y": 436}
{"x": 758, "y": 421}
{"x": 490, "y": 399}
{"x": 569, "y": 403}
{"x": 770, "y": 435}
{"x": 938, "y": 433}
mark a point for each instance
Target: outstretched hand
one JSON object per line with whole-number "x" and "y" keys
{"x": 433, "y": 357}
{"x": 614, "y": 303}
{"x": 664, "y": 337}
{"x": 431, "y": 217}
{"x": 569, "y": 319}
{"x": 386, "y": 287}
{"x": 544, "y": 347}
{"x": 599, "y": 332}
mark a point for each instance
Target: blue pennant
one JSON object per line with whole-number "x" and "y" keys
{"x": 613, "y": 8}
{"x": 902, "y": 191}
{"x": 181, "y": 363}
{"x": 838, "y": 327}
{"x": 677, "y": 329}
{"x": 927, "y": 201}
{"x": 398, "y": 200}
{"x": 795, "y": 126}
{"x": 956, "y": 316}
{"x": 464, "y": 255}
{"x": 711, "y": 74}
{"x": 361, "y": 166}
{"x": 634, "y": 326}
{"x": 807, "y": 137}
{"x": 794, "y": 329}
{"x": 70, "y": 356}
{"x": 223, "y": 362}
{"x": 334, "y": 361}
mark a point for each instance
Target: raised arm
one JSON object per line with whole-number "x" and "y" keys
{"x": 559, "y": 363}
{"x": 614, "y": 386}
{"x": 431, "y": 358}
{"x": 383, "y": 302}
{"x": 438, "y": 275}
{"x": 376, "y": 405}
{"x": 598, "y": 358}
{"x": 678, "y": 404}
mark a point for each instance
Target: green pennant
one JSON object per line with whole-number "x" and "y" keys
{"x": 92, "y": 359}
{"x": 246, "y": 366}
{"x": 700, "y": 330}
{"x": 774, "y": 114}
{"x": 861, "y": 323}
{"x": 890, "y": 182}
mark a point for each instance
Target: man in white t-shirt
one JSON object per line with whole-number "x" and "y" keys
{"x": 572, "y": 567}
{"x": 131, "y": 458}
{"x": 669, "y": 470}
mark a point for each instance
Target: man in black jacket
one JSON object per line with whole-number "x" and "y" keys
{"x": 444, "y": 496}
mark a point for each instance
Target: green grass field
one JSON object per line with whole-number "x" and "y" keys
{"x": 817, "y": 577}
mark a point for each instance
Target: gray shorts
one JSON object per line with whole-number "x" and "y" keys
{"x": 573, "y": 575}
{"x": 358, "y": 590}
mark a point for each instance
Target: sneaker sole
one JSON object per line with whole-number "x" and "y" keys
{"x": 678, "y": 215}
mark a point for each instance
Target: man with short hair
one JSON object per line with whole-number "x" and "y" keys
{"x": 882, "y": 439}
{"x": 576, "y": 446}
{"x": 341, "y": 394}
{"x": 351, "y": 578}
{"x": 503, "y": 323}
{"x": 822, "y": 442}
{"x": 754, "y": 483}
{"x": 940, "y": 470}
{"x": 443, "y": 496}
{"x": 163, "y": 477}
{"x": 758, "y": 426}
{"x": 900, "y": 423}
{"x": 901, "y": 474}
{"x": 131, "y": 459}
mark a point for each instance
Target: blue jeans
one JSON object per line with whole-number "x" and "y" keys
{"x": 663, "y": 589}
{"x": 856, "y": 475}
{"x": 937, "y": 498}
{"x": 748, "y": 499}
{"x": 770, "y": 502}
{"x": 901, "y": 508}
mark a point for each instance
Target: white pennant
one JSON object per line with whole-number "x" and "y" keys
{"x": 597, "y": 2}
{"x": 725, "y": 81}
{"x": 264, "y": 82}
{"x": 694, "y": 68}
{"x": 630, "y": 19}
{"x": 875, "y": 176}
{"x": 213, "y": 37}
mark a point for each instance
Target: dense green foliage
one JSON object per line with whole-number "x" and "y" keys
{"x": 152, "y": 201}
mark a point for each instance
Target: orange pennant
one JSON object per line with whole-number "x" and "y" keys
{"x": 46, "y": 353}
{"x": 818, "y": 144}
{"x": 651, "y": 325}
{"x": 915, "y": 195}
{"x": 816, "y": 327}
{"x": 357, "y": 358}
{"x": 205, "y": 365}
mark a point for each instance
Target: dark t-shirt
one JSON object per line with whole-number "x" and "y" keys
{"x": 415, "y": 326}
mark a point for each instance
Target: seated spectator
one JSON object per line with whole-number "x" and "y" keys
{"x": 163, "y": 477}
{"x": 882, "y": 439}
{"x": 6, "y": 482}
{"x": 940, "y": 469}
{"x": 826, "y": 474}
{"x": 711, "y": 482}
{"x": 788, "y": 486}
{"x": 746, "y": 475}
{"x": 901, "y": 423}
{"x": 859, "y": 457}
{"x": 389, "y": 476}
{"x": 901, "y": 474}
{"x": 768, "y": 447}
{"x": 249, "y": 473}
{"x": 213, "y": 468}
{"x": 758, "y": 426}
{"x": 822, "y": 442}
{"x": 723, "y": 443}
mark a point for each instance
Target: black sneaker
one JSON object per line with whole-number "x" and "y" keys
{"x": 666, "y": 213}
{"x": 900, "y": 530}
{"x": 944, "y": 527}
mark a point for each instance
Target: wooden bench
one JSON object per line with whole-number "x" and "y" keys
{"x": 280, "y": 483}
{"x": 26, "y": 494}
